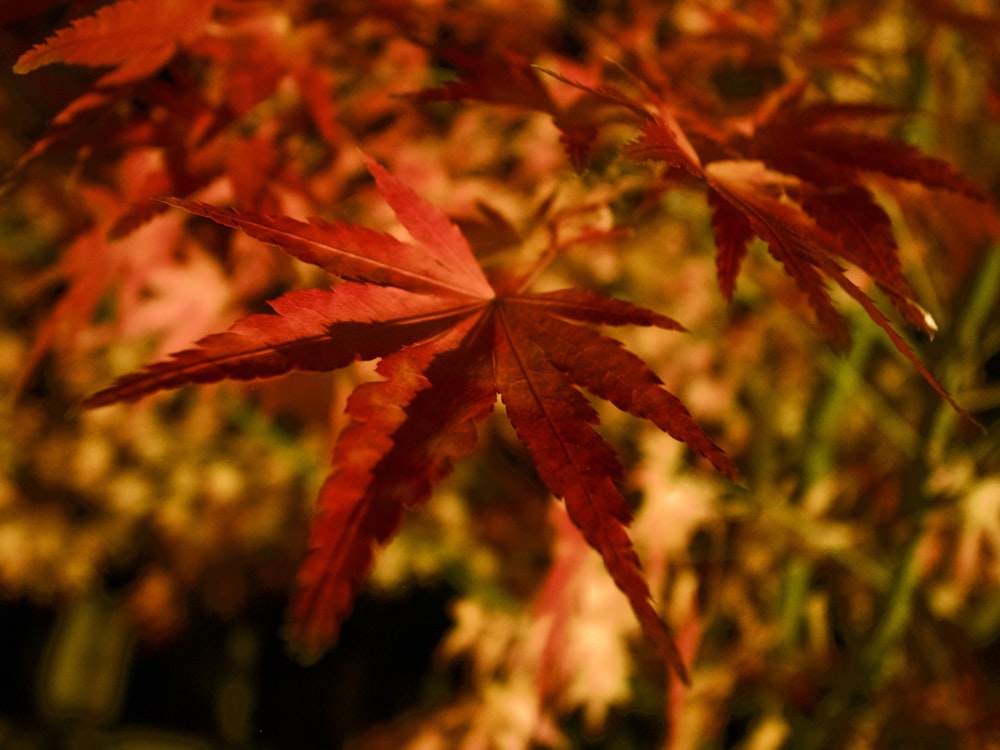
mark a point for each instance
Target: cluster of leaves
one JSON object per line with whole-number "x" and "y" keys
{"x": 273, "y": 108}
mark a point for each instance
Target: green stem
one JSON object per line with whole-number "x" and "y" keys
{"x": 896, "y": 619}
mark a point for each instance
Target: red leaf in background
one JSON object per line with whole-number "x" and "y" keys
{"x": 136, "y": 37}
{"x": 793, "y": 176}
{"x": 509, "y": 80}
{"x": 852, "y": 153}
{"x": 91, "y": 266}
{"x": 767, "y": 200}
{"x": 449, "y": 343}
{"x": 865, "y": 236}
{"x": 803, "y": 249}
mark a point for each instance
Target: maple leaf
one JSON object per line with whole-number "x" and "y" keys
{"x": 135, "y": 37}
{"x": 765, "y": 199}
{"x": 449, "y": 341}
{"x": 791, "y": 175}
{"x": 810, "y": 144}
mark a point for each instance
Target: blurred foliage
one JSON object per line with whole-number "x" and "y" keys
{"x": 848, "y": 598}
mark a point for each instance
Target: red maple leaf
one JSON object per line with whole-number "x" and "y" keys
{"x": 449, "y": 341}
{"x": 794, "y": 176}
{"x": 135, "y": 37}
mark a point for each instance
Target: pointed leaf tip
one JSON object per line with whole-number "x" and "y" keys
{"x": 437, "y": 235}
